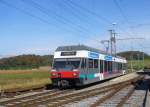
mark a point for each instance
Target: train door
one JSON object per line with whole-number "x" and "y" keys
{"x": 113, "y": 68}
{"x": 110, "y": 67}
{"x": 93, "y": 69}
{"x": 83, "y": 70}
{"x": 106, "y": 74}
{"x": 90, "y": 68}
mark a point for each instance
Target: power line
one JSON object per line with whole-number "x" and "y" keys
{"x": 95, "y": 14}
{"x": 47, "y": 12}
{"x": 57, "y": 16}
{"x": 90, "y": 12}
{"x": 77, "y": 14}
{"x": 123, "y": 14}
{"x": 74, "y": 11}
{"x": 121, "y": 11}
{"x": 24, "y": 11}
{"x": 30, "y": 14}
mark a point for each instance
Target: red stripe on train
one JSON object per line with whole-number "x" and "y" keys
{"x": 65, "y": 74}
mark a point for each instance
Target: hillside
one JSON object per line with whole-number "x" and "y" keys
{"x": 134, "y": 55}
{"x": 26, "y": 61}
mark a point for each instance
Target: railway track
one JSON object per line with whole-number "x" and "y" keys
{"x": 9, "y": 93}
{"x": 116, "y": 98}
{"x": 55, "y": 98}
{"x": 23, "y": 100}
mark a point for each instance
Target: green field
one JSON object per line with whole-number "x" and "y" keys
{"x": 138, "y": 64}
{"x": 19, "y": 79}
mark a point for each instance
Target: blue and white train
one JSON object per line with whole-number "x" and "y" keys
{"x": 80, "y": 65}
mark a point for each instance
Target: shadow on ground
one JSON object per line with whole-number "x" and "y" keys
{"x": 144, "y": 85}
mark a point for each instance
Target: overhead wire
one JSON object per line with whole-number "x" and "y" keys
{"x": 58, "y": 17}
{"x": 31, "y": 15}
{"x": 24, "y": 11}
{"x": 100, "y": 17}
{"x": 45, "y": 10}
{"x": 121, "y": 11}
{"x": 90, "y": 12}
{"x": 126, "y": 20}
{"x": 83, "y": 30}
{"x": 77, "y": 14}
{"x": 94, "y": 14}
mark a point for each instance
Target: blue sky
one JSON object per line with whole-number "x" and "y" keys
{"x": 39, "y": 26}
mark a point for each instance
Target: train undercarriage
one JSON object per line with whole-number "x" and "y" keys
{"x": 64, "y": 83}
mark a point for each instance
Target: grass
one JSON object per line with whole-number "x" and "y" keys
{"x": 20, "y": 79}
{"x": 139, "y": 64}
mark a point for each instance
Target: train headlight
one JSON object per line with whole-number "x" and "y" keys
{"x": 53, "y": 70}
{"x": 75, "y": 74}
{"x": 75, "y": 70}
{"x": 54, "y": 74}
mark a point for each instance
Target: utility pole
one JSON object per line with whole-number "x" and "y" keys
{"x": 111, "y": 41}
{"x": 143, "y": 61}
{"x": 107, "y": 45}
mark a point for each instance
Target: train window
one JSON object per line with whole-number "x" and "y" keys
{"x": 117, "y": 66}
{"x": 109, "y": 66}
{"x": 95, "y": 63}
{"x": 101, "y": 66}
{"x": 124, "y": 66}
{"x": 106, "y": 65}
{"x": 66, "y": 64}
{"x": 83, "y": 64}
{"x": 113, "y": 66}
{"x": 90, "y": 63}
{"x": 120, "y": 66}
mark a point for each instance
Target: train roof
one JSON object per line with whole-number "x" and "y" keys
{"x": 82, "y": 47}
{"x": 78, "y": 47}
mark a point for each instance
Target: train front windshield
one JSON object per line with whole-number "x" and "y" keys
{"x": 66, "y": 64}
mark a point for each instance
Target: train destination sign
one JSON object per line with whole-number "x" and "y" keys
{"x": 93, "y": 55}
{"x": 70, "y": 53}
{"x": 108, "y": 58}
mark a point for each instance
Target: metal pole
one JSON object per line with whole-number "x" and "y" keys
{"x": 143, "y": 60}
{"x": 111, "y": 36}
{"x": 138, "y": 55}
{"x": 115, "y": 43}
{"x": 131, "y": 57}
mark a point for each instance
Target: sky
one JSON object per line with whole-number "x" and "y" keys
{"x": 40, "y": 26}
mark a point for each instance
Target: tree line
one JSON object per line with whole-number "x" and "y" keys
{"x": 25, "y": 62}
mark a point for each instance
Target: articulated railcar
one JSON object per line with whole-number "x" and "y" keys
{"x": 80, "y": 65}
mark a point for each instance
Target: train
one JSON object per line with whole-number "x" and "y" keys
{"x": 79, "y": 65}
